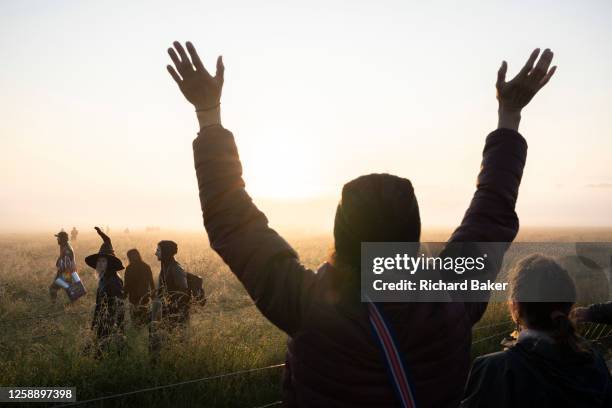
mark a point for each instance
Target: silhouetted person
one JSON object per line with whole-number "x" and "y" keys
{"x": 549, "y": 365}
{"x": 65, "y": 265}
{"x": 74, "y": 234}
{"x": 139, "y": 286}
{"x": 333, "y": 359}
{"x": 109, "y": 314}
{"x": 172, "y": 289}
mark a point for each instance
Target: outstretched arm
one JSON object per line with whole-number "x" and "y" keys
{"x": 491, "y": 216}
{"x": 263, "y": 261}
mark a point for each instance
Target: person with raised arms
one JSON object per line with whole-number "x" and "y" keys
{"x": 333, "y": 357}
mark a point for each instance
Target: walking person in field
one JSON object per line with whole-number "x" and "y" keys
{"x": 549, "y": 365}
{"x": 74, "y": 233}
{"x": 172, "y": 288}
{"x": 65, "y": 265}
{"x": 109, "y": 313}
{"x": 333, "y": 359}
{"x": 139, "y": 287}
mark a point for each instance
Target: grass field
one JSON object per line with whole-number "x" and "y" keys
{"x": 41, "y": 344}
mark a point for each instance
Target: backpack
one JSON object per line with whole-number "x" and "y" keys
{"x": 196, "y": 289}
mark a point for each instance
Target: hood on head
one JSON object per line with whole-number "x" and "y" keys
{"x": 168, "y": 249}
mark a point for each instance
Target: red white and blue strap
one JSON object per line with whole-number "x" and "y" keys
{"x": 394, "y": 361}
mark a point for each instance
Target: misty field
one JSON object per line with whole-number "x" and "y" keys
{"x": 42, "y": 344}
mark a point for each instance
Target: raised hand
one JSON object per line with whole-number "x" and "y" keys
{"x": 514, "y": 95}
{"x": 194, "y": 81}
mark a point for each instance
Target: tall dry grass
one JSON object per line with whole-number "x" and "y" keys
{"x": 42, "y": 344}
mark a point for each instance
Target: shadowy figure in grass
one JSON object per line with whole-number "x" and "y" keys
{"x": 65, "y": 265}
{"x": 109, "y": 314}
{"x": 139, "y": 287}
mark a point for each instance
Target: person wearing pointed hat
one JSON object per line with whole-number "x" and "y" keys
{"x": 109, "y": 312}
{"x": 65, "y": 265}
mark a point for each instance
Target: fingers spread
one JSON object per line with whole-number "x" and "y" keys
{"x": 175, "y": 59}
{"x": 195, "y": 57}
{"x": 181, "y": 51}
{"x": 529, "y": 64}
{"x": 501, "y": 74}
{"x": 547, "y": 77}
{"x": 174, "y": 74}
{"x": 183, "y": 66}
{"x": 541, "y": 67}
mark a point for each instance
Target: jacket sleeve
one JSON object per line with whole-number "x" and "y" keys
{"x": 264, "y": 262}
{"x": 491, "y": 216}
{"x": 601, "y": 313}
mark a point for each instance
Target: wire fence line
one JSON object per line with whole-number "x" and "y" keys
{"x": 490, "y": 326}
{"x": 161, "y": 387}
{"x": 271, "y": 404}
{"x": 490, "y": 337}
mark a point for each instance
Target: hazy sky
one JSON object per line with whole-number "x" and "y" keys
{"x": 94, "y": 131}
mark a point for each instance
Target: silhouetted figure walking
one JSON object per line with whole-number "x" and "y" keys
{"x": 65, "y": 265}
{"x": 74, "y": 234}
{"x": 172, "y": 288}
{"x": 139, "y": 287}
{"x": 109, "y": 313}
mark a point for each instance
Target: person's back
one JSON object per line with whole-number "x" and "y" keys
{"x": 536, "y": 372}
{"x": 549, "y": 365}
{"x": 172, "y": 287}
{"x": 333, "y": 359}
{"x": 138, "y": 277}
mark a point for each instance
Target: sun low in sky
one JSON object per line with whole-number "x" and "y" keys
{"x": 94, "y": 131}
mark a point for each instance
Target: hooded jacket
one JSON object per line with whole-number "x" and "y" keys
{"x": 539, "y": 373}
{"x": 333, "y": 360}
{"x": 172, "y": 286}
{"x": 139, "y": 283}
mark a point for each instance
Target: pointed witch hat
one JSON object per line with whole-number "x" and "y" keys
{"x": 106, "y": 251}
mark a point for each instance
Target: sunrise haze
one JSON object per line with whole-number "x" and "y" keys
{"x": 94, "y": 131}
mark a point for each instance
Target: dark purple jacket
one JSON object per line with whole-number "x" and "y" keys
{"x": 333, "y": 359}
